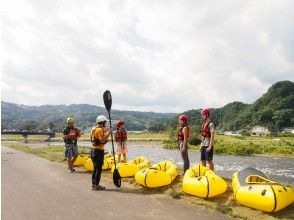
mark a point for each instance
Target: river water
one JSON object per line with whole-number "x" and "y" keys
{"x": 280, "y": 169}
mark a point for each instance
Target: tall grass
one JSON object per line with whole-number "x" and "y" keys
{"x": 247, "y": 145}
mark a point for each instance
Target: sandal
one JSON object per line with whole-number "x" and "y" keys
{"x": 98, "y": 187}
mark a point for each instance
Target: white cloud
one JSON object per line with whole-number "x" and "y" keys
{"x": 168, "y": 56}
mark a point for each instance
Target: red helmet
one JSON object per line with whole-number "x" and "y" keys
{"x": 205, "y": 111}
{"x": 119, "y": 122}
{"x": 183, "y": 118}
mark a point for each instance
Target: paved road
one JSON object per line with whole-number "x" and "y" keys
{"x": 34, "y": 188}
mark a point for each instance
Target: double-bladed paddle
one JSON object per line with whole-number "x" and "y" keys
{"x": 108, "y": 102}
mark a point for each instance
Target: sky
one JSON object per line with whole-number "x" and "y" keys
{"x": 161, "y": 56}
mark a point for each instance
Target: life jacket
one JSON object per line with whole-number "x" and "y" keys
{"x": 181, "y": 134}
{"x": 205, "y": 132}
{"x": 74, "y": 130}
{"x": 72, "y": 139}
{"x": 95, "y": 141}
{"x": 121, "y": 135}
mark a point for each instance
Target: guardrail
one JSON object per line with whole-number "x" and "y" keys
{"x": 25, "y": 134}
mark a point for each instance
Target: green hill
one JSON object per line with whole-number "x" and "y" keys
{"x": 22, "y": 117}
{"x": 274, "y": 110}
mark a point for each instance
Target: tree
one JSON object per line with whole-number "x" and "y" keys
{"x": 28, "y": 125}
{"x": 282, "y": 118}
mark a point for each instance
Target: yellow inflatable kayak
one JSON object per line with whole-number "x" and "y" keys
{"x": 203, "y": 182}
{"x": 107, "y": 164}
{"x": 81, "y": 159}
{"x": 254, "y": 189}
{"x": 159, "y": 174}
{"x": 132, "y": 167}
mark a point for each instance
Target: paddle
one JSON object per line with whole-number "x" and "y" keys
{"x": 108, "y": 102}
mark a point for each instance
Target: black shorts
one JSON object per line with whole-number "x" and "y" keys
{"x": 206, "y": 155}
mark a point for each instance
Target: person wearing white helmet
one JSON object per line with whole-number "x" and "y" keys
{"x": 99, "y": 137}
{"x": 70, "y": 137}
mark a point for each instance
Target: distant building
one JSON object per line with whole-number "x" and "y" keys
{"x": 259, "y": 130}
{"x": 288, "y": 130}
{"x": 232, "y": 133}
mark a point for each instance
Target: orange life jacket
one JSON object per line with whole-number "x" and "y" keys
{"x": 205, "y": 132}
{"x": 121, "y": 135}
{"x": 95, "y": 141}
{"x": 181, "y": 134}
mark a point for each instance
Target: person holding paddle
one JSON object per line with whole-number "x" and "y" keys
{"x": 107, "y": 98}
{"x": 99, "y": 137}
{"x": 70, "y": 137}
{"x": 183, "y": 137}
{"x": 121, "y": 137}
{"x": 207, "y": 139}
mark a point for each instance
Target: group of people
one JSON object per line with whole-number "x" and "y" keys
{"x": 100, "y": 134}
{"x": 207, "y": 134}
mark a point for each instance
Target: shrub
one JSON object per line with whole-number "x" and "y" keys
{"x": 194, "y": 139}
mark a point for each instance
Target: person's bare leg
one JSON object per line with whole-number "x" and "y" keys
{"x": 69, "y": 163}
{"x": 125, "y": 157}
{"x": 203, "y": 162}
{"x": 73, "y": 161}
{"x": 210, "y": 164}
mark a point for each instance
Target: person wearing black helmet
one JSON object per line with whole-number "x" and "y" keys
{"x": 183, "y": 137}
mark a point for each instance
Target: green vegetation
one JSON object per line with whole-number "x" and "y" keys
{"x": 242, "y": 145}
{"x": 22, "y": 117}
{"x": 144, "y": 136}
{"x": 224, "y": 203}
{"x": 234, "y": 145}
{"x": 274, "y": 110}
{"x": 254, "y": 145}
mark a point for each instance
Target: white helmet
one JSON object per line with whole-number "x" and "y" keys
{"x": 101, "y": 118}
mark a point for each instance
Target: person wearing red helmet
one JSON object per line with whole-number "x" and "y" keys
{"x": 207, "y": 139}
{"x": 183, "y": 137}
{"x": 120, "y": 137}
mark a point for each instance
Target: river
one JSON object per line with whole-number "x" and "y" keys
{"x": 280, "y": 169}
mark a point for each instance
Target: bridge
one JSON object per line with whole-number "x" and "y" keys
{"x": 25, "y": 134}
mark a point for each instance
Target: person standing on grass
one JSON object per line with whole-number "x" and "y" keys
{"x": 207, "y": 134}
{"x": 99, "y": 137}
{"x": 120, "y": 137}
{"x": 183, "y": 137}
{"x": 70, "y": 137}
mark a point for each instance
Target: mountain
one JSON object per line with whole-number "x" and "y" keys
{"x": 274, "y": 110}
{"x": 22, "y": 117}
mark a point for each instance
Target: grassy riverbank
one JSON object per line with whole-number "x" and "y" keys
{"x": 234, "y": 145}
{"x": 243, "y": 145}
{"x": 224, "y": 203}
{"x": 147, "y": 136}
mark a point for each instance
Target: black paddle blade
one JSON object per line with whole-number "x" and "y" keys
{"x": 116, "y": 178}
{"x": 107, "y": 100}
